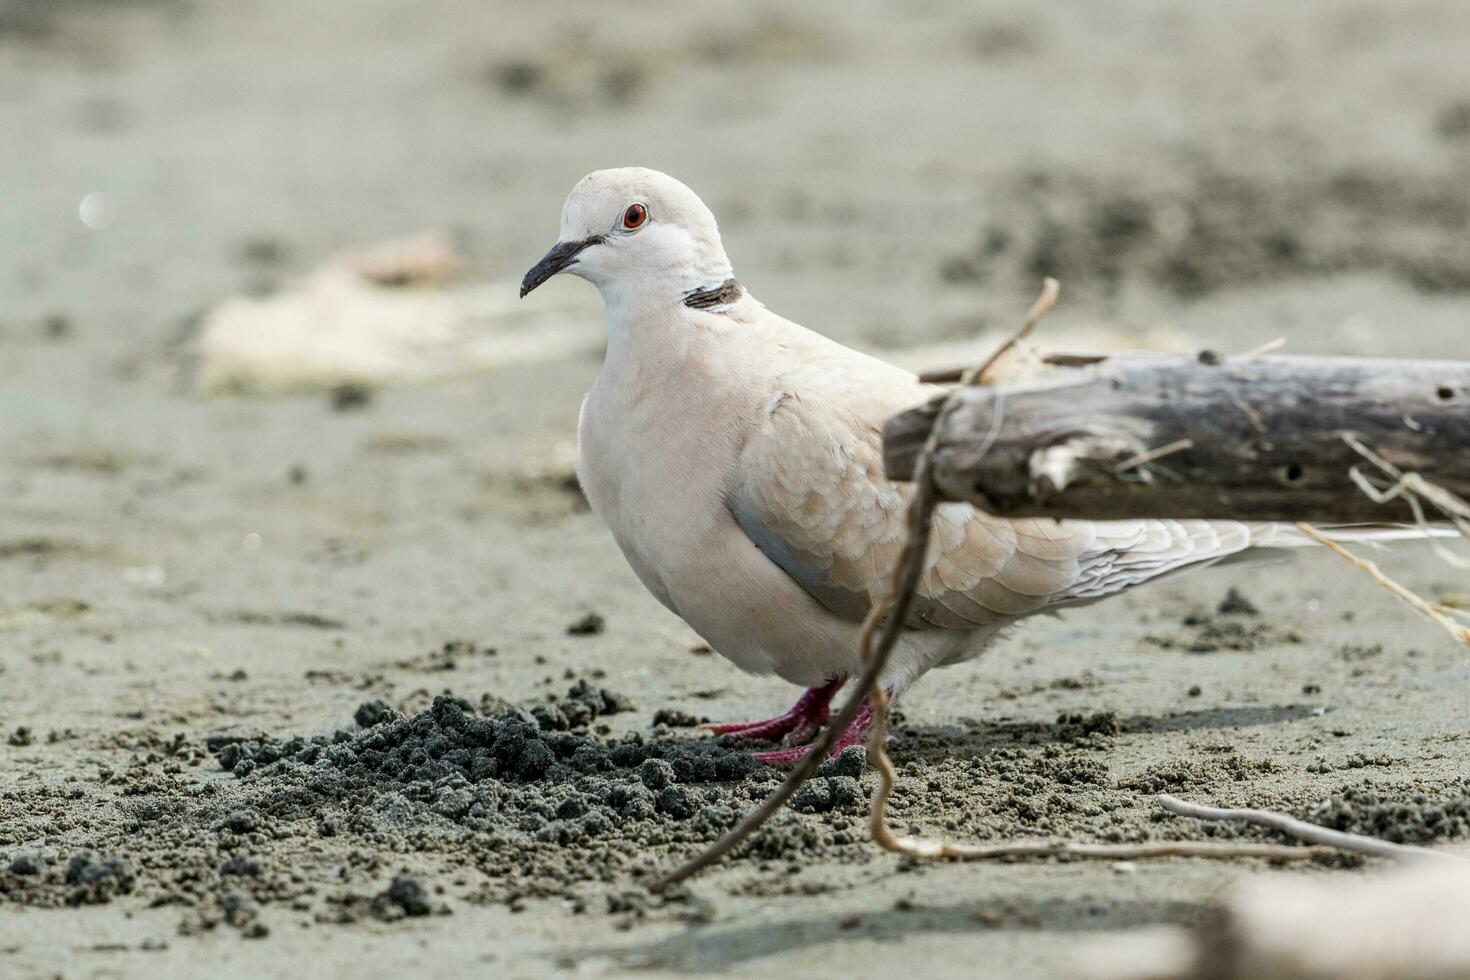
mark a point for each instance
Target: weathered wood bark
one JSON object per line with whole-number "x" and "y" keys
{"x": 1265, "y": 433}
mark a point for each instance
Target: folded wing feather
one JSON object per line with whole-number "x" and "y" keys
{"x": 811, "y": 495}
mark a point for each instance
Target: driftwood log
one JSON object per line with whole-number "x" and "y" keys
{"x": 1252, "y": 437}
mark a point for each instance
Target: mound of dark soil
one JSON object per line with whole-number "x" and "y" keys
{"x": 535, "y": 803}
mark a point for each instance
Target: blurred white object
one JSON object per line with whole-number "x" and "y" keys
{"x": 386, "y": 314}
{"x": 1404, "y": 923}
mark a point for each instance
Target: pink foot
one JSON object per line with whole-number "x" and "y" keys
{"x": 798, "y": 725}
{"x": 856, "y": 734}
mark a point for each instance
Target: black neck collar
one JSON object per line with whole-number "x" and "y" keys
{"x": 724, "y": 294}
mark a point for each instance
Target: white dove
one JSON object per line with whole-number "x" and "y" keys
{"x": 736, "y": 457}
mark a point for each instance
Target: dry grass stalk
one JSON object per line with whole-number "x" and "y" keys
{"x": 1414, "y": 488}
{"x": 1371, "y": 569}
{"x": 1269, "y": 347}
{"x": 1143, "y": 458}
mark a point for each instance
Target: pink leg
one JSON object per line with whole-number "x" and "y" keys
{"x": 856, "y": 734}
{"x": 798, "y": 725}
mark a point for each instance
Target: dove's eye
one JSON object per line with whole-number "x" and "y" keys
{"x": 634, "y": 216}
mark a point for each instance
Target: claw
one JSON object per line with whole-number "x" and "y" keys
{"x": 804, "y": 720}
{"x": 805, "y": 732}
{"x": 856, "y": 734}
{"x": 765, "y": 729}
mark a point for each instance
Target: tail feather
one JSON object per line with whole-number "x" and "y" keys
{"x": 1127, "y": 567}
{"x": 1289, "y": 536}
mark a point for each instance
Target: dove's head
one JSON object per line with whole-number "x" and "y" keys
{"x": 634, "y": 232}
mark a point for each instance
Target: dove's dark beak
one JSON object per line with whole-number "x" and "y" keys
{"x": 562, "y": 254}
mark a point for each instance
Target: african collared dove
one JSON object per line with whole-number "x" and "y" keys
{"x": 736, "y": 457}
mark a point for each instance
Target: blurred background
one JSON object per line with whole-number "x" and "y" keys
{"x": 273, "y": 423}
{"x": 887, "y": 176}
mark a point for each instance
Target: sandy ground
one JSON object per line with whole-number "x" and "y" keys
{"x": 182, "y": 574}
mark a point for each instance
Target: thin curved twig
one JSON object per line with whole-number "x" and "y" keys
{"x": 1301, "y": 830}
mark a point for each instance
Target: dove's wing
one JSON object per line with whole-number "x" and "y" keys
{"x": 812, "y": 497}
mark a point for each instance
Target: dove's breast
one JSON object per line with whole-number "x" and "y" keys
{"x": 658, "y": 471}
{"x": 649, "y": 477}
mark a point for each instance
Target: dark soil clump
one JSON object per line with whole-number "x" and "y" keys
{"x": 85, "y": 879}
{"x": 1212, "y": 634}
{"x": 675, "y": 718}
{"x": 515, "y": 804}
{"x": 1236, "y": 604}
{"x": 1181, "y": 774}
{"x": 1416, "y": 820}
{"x": 591, "y": 624}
